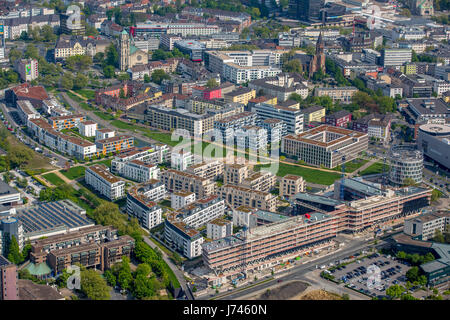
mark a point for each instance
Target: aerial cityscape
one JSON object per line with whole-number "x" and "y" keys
{"x": 205, "y": 150}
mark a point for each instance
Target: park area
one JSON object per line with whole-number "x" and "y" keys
{"x": 375, "y": 168}
{"x": 53, "y": 179}
{"x": 310, "y": 175}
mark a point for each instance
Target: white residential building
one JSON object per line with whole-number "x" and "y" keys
{"x": 183, "y": 238}
{"x": 181, "y": 159}
{"x": 26, "y": 111}
{"x": 181, "y": 199}
{"x": 98, "y": 177}
{"x": 139, "y": 171}
{"x": 292, "y": 117}
{"x": 104, "y": 133}
{"x": 149, "y": 155}
{"x": 219, "y": 228}
{"x": 88, "y": 128}
{"x": 141, "y": 203}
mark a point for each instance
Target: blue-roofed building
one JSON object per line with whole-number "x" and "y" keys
{"x": 51, "y": 218}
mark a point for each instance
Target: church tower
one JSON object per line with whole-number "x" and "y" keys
{"x": 318, "y": 60}
{"x": 124, "y": 50}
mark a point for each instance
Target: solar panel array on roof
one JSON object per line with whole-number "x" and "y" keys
{"x": 47, "y": 216}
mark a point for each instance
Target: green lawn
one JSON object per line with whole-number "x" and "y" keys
{"x": 74, "y": 172}
{"x": 89, "y": 94}
{"x": 377, "y": 167}
{"x": 74, "y": 97}
{"x": 86, "y": 107}
{"x": 106, "y": 162}
{"x": 53, "y": 178}
{"x": 123, "y": 125}
{"x": 310, "y": 175}
{"x": 104, "y": 116}
{"x": 352, "y": 165}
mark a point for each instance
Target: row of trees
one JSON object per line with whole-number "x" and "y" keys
{"x": 13, "y": 252}
{"x": 44, "y": 34}
{"x": 442, "y": 237}
{"x": 17, "y": 155}
{"x": 160, "y": 54}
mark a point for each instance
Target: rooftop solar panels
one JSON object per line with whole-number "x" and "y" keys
{"x": 62, "y": 214}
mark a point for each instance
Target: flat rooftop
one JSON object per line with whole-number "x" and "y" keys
{"x": 50, "y": 216}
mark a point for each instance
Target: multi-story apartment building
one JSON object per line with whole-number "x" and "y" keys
{"x": 176, "y": 180}
{"x": 26, "y": 111}
{"x": 260, "y": 181}
{"x": 241, "y": 66}
{"x": 66, "y": 122}
{"x": 208, "y": 170}
{"x": 170, "y": 119}
{"x": 375, "y": 125}
{"x": 292, "y": 117}
{"x": 27, "y": 69}
{"x": 240, "y": 95}
{"x": 114, "y": 144}
{"x": 275, "y": 129}
{"x": 101, "y": 256}
{"x": 281, "y": 86}
{"x": 9, "y": 289}
{"x": 200, "y": 212}
{"x": 424, "y": 226}
{"x": 325, "y": 145}
{"x": 167, "y": 41}
{"x": 40, "y": 248}
{"x": 56, "y": 140}
{"x": 340, "y": 94}
{"x": 181, "y": 199}
{"x": 219, "y": 228}
{"x": 339, "y": 118}
{"x": 139, "y": 171}
{"x": 104, "y": 182}
{"x": 237, "y": 196}
{"x": 13, "y": 28}
{"x": 149, "y": 155}
{"x": 87, "y": 128}
{"x": 251, "y": 137}
{"x": 181, "y": 159}
{"x": 227, "y": 126}
{"x": 68, "y": 46}
{"x": 235, "y": 173}
{"x": 291, "y": 185}
{"x": 183, "y": 238}
{"x": 141, "y": 203}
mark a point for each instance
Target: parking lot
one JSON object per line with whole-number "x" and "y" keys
{"x": 356, "y": 274}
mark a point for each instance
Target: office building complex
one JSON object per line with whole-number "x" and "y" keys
{"x": 325, "y": 145}
{"x": 305, "y": 10}
{"x": 434, "y": 141}
{"x": 424, "y": 226}
{"x": 405, "y": 162}
{"x": 395, "y": 57}
{"x": 99, "y": 177}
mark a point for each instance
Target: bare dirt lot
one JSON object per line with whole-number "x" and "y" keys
{"x": 284, "y": 292}
{"x": 318, "y": 295}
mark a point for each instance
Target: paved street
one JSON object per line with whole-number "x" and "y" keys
{"x": 178, "y": 272}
